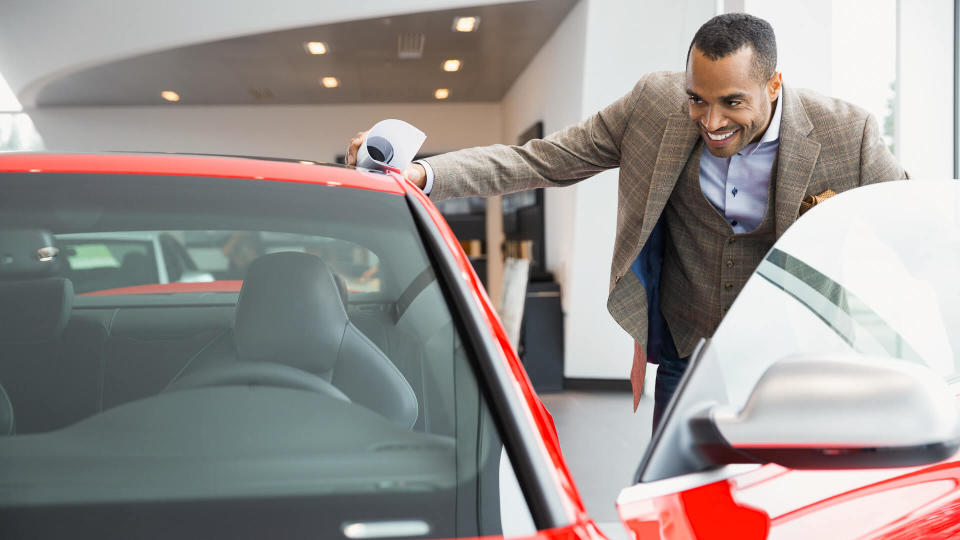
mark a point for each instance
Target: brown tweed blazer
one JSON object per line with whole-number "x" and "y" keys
{"x": 825, "y": 144}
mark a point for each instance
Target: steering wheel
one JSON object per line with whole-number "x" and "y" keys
{"x": 257, "y": 374}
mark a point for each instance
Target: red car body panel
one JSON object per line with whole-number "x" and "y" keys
{"x": 538, "y": 417}
{"x": 778, "y": 503}
{"x": 200, "y": 166}
{"x": 172, "y": 288}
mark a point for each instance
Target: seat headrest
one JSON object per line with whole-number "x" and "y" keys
{"x": 290, "y": 312}
{"x": 27, "y": 253}
{"x": 34, "y": 311}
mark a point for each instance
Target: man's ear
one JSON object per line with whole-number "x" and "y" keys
{"x": 773, "y": 85}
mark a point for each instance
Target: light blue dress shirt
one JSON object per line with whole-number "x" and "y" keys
{"x": 738, "y": 186}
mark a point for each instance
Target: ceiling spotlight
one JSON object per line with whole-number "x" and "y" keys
{"x": 451, "y": 65}
{"x": 442, "y": 93}
{"x": 304, "y": 162}
{"x": 170, "y": 95}
{"x": 466, "y": 24}
{"x": 316, "y": 47}
{"x": 330, "y": 82}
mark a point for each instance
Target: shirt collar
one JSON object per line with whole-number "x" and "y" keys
{"x": 773, "y": 130}
{"x": 770, "y": 135}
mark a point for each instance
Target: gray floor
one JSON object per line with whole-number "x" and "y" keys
{"x": 602, "y": 440}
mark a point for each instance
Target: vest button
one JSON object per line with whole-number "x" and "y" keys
{"x": 732, "y": 240}
{"x": 728, "y": 285}
{"x": 729, "y": 263}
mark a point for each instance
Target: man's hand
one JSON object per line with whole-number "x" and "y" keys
{"x": 414, "y": 172}
{"x": 353, "y": 147}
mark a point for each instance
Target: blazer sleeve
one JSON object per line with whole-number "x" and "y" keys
{"x": 560, "y": 159}
{"x": 877, "y": 164}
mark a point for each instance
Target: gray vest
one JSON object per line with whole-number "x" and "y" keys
{"x": 694, "y": 294}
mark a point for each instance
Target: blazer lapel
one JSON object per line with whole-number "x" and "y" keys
{"x": 796, "y": 159}
{"x": 679, "y": 138}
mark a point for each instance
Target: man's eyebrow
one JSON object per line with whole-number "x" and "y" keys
{"x": 691, "y": 93}
{"x": 734, "y": 97}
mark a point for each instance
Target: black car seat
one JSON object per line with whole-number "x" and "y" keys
{"x": 35, "y": 307}
{"x": 291, "y": 312}
{"x": 137, "y": 269}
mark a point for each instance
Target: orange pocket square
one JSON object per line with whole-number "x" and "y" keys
{"x": 814, "y": 200}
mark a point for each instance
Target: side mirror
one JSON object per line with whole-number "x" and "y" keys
{"x": 835, "y": 412}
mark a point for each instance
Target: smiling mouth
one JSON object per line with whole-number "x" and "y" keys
{"x": 720, "y": 136}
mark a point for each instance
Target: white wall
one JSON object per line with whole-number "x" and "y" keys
{"x": 550, "y": 90}
{"x": 804, "y": 39}
{"x": 925, "y": 89}
{"x": 595, "y": 56}
{"x": 316, "y": 132}
{"x": 851, "y": 49}
{"x": 624, "y": 41}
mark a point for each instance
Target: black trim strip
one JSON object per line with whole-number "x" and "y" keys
{"x": 839, "y": 297}
{"x": 536, "y": 481}
{"x": 412, "y": 291}
{"x": 598, "y": 385}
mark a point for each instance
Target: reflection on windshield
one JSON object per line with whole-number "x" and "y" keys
{"x": 841, "y": 310}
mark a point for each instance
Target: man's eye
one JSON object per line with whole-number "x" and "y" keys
{"x": 695, "y": 100}
{"x": 734, "y": 103}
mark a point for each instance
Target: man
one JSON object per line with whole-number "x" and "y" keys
{"x": 714, "y": 164}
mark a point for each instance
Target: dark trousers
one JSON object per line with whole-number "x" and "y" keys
{"x": 669, "y": 372}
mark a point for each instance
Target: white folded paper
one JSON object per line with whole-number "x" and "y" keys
{"x": 391, "y": 143}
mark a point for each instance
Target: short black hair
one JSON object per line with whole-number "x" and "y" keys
{"x": 726, "y": 34}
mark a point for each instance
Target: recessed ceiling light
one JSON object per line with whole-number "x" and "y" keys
{"x": 451, "y": 65}
{"x": 330, "y": 82}
{"x": 442, "y": 93}
{"x": 466, "y": 24}
{"x": 304, "y": 162}
{"x": 316, "y": 47}
{"x": 170, "y": 95}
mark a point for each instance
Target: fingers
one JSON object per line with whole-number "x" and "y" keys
{"x": 355, "y": 142}
{"x": 416, "y": 174}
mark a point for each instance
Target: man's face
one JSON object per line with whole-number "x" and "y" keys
{"x": 730, "y": 107}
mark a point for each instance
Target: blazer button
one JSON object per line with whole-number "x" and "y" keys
{"x": 618, "y": 278}
{"x": 731, "y": 240}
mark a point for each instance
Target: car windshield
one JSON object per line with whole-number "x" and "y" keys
{"x": 873, "y": 273}
{"x": 236, "y": 358}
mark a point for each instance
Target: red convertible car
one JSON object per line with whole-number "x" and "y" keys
{"x": 339, "y": 371}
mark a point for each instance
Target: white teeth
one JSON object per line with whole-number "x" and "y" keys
{"x": 720, "y": 137}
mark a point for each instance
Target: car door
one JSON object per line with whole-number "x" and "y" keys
{"x": 863, "y": 283}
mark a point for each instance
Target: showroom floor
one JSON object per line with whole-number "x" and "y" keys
{"x": 603, "y": 441}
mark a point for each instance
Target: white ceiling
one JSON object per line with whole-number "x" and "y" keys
{"x": 271, "y": 66}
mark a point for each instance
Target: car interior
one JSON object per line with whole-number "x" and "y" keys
{"x": 293, "y": 401}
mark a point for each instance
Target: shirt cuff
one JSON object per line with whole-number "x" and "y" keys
{"x": 428, "y": 186}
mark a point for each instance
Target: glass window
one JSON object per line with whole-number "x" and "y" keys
{"x": 334, "y": 396}
{"x": 113, "y": 262}
{"x": 864, "y": 59}
{"x": 109, "y": 261}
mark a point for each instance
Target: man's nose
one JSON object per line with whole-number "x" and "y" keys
{"x": 713, "y": 120}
